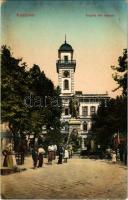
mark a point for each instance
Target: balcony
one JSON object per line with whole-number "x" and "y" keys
{"x": 66, "y": 63}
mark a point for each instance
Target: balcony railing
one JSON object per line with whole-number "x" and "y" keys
{"x": 66, "y": 62}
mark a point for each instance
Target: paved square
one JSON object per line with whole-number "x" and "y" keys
{"x": 77, "y": 179}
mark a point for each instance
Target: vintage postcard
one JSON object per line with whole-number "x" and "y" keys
{"x": 64, "y": 99}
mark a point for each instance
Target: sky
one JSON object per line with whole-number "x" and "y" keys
{"x": 96, "y": 30}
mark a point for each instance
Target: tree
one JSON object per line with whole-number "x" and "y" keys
{"x": 121, "y": 102}
{"x": 121, "y": 75}
{"x": 47, "y": 105}
{"x": 13, "y": 89}
{"x": 53, "y": 112}
{"x": 17, "y": 85}
{"x": 112, "y": 118}
{"x": 75, "y": 140}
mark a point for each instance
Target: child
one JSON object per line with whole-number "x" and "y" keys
{"x": 66, "y": 155}
{"x": 114, "y": 157}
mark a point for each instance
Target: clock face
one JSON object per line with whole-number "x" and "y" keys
{"x": 66, "y": 73}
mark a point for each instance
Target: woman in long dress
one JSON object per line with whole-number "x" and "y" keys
{"x": 50, "y": 154}
{"x": 9, "y": 159}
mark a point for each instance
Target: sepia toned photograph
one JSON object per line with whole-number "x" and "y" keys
{"x": 64, "y": 99}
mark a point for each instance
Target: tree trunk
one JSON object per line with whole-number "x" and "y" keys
{"x": 15, "y": 140}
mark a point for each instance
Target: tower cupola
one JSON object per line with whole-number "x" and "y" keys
{"x": 65, "y": 66}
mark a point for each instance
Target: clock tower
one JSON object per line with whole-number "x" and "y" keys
{"x": 65, "y": 66}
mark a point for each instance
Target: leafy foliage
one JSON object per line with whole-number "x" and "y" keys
{"x": 112, "y": 118}
{"x": 121, "y": 73}
{"x": 19, "y": 84}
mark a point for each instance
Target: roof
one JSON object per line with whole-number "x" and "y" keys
{"x": 66, "y": 47}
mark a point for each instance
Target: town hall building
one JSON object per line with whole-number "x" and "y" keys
{"x": 87, "y": 104}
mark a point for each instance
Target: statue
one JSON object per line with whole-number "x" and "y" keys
{"x": 74, "y": 107}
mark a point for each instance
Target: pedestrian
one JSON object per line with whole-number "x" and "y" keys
{"x": 60, "y": 154}
{"x": 9, "y": 159}
{"x": 114, "y": 157}
{"x": 70, "y": 151}
{"x": 50, "y": 154}
{"x": 34, "y": 157}
{"x": 55, "y": 150}
{"x": 108, "y": 153}
{"x": 41, "y": 152}
{"x": 66, "y": 155}
{"x": 23, "y": 149}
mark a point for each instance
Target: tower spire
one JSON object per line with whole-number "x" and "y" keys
{"x": 65, "y": 38}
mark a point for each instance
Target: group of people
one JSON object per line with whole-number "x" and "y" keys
{"x": 63, "y": 153}
{"x": 52, "y": 151}
{"x": 38, "y": 153}
{"x": 119, "y": 153}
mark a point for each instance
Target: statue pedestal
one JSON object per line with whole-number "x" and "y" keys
{"x": 74, "y": 125}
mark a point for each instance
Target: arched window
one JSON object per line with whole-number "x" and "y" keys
{"x": 66, "y": 84}
{"x": 85, "y": 126}
{"x": 92, "y": 110}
